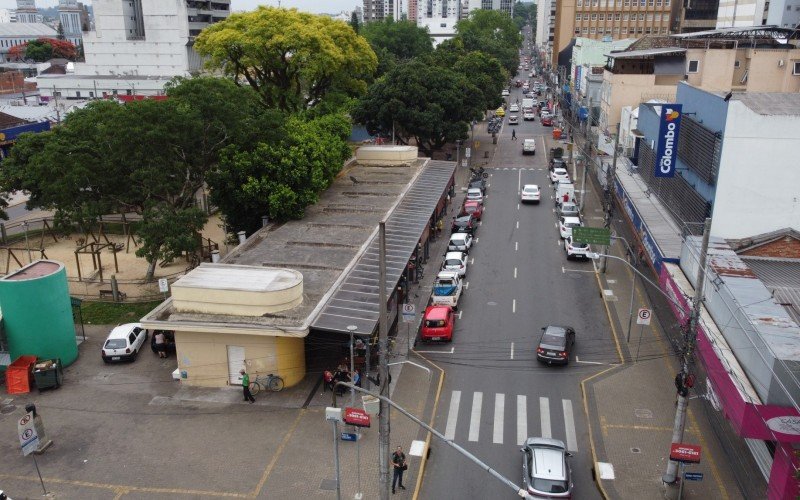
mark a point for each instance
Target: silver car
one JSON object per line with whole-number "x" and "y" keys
{"x": 545, "y": 471}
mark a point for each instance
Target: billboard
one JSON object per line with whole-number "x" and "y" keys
{"x": 668, "y": 132}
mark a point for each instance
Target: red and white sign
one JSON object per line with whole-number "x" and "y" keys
{"x": 356, "y": 417}
{"x": 686, "y": 453}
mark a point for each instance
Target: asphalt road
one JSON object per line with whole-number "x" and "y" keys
{"x": 495, "y": 393}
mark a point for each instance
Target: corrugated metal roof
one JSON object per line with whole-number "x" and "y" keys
{"x": 355, "y": 301}
{"x": 34, "y": 30}
{"x": 782, "y": 278}
{"x": 632, "y": 54}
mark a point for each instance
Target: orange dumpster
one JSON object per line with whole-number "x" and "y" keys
{"x": 556, "y": 133}
{"x": 18, "y": 375}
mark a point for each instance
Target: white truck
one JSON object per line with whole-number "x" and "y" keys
{"x": 447, "y": 288}
{"x": 528, "y": 103}
{"x": 564, "y": 188}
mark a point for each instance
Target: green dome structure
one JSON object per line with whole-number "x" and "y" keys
{"x": 37, "y": 312}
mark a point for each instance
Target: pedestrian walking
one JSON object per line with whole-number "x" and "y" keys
{"x": 514, "y": 134}
{"x": 161, "y": 344}
{"x": 246, "y": 386}
{"x": 439, "y": 227}
{"x": 399, "y": 465}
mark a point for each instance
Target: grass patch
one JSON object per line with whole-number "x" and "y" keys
{"x": 113, "y": 313}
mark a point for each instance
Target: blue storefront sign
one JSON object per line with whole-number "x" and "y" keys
{"x": 668, "y": 132}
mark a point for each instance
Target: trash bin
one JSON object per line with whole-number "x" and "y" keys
{"x": 18, "y": 375}
{"x": 48, "y": 374}
{"x": 556, "y": 133}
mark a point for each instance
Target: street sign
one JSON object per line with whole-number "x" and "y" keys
{"x": 163, "y": 286}
{"x": 643, "y": 317}
{"x": 356, "y": 417}
{"x": 409, "y": 313}
{"x": 693, "y": 476}
{"x": 468, "y": 152}
{"x": 463, "y": 163}
{"x": 28, "y": 438}
{"x": 592, "y": 235}
{"x": 686, "y": 453}
{"x": 349, "y": 436}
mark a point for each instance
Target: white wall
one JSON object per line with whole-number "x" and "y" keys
{"x": 758, "y": 189}
{"x": 542, "y": 23}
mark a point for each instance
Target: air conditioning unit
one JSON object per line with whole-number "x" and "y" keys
{"x": 780, "y": 63}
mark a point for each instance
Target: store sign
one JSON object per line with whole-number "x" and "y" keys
{"x": 686, "y": 453}
{"x": 668, "y": 132}
{"x": 356, "y": 417}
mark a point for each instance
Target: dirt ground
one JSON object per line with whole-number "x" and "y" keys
{"x": 132, "y": 269}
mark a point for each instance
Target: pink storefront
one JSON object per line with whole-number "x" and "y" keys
{"x": 738, "y": 400}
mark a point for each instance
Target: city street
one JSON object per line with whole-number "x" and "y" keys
{"x": 495, "y": 393}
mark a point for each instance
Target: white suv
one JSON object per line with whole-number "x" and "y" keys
{"x": 124, "y": 342}
{"x": 576, "y": 250}
{"x": 529, "y": 146}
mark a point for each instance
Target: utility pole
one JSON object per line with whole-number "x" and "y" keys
{"x": 383, "y": 367}
{"x": 588, "y": 153}
{"x": 608, "y": 198}
{"x": 670, "y": 476}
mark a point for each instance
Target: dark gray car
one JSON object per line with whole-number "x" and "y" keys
{"x": 555, "y": 346}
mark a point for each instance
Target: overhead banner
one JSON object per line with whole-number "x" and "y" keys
{"x": 668, "y": 132}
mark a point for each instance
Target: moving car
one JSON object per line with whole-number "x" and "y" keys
{"x": 565, "y": 225}
{"x": 464, "y": 224}
{"x": 455, "y": 262}
{"x": 555, "y": 345}
{"x": 474, "y": 208}
{"x": 460, "y": 242}
{"x": 438, "y": 323}
{"x": 124, "y": 343}
{"x": 545, "y": 471}
{"x": 500, "y": 112}
{"x": 576, "y": 250}
{"x": 530, "y": 192}
{"x": 513, "y": 119}
{"x": 475, "y": 194}
{"x": 529, "y": 146}
{"x": 505, "y": 93}
{"x": 559, "y": 174}
{"x": 514, "y": 108}
{"x": 529, "y": 115}
{"x": 447, "y": 288}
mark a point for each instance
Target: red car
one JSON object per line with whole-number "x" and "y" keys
{"x": 438, "y": 324}
{"x": 474, "y": 208}
{"x": 547, "y": 121}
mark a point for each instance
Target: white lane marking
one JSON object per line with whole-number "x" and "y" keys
{"x": 451, "y": 351}
{"x": 466, "y": 285}
{"x": 512, "y": 350}
{"x": 488, "y": 184}
{"x": 556, "y": 224}
{"x": 476, "y": 240}
{"x": 452, "y": 415}
{"x": 459, "y": 314}
{"x": 519, "y": 181}
{"x": 569, "y": 423}
{"x": 499, "y": 414}
{"x": 522, "y": 419}
{"x": 544, "y": 148}
{"x": 588, "y": 362}
{"x": 517, "y": 224}
{"x": 558, "y": 243}
{"x": 516, "y": 246}
{"x": 517, "y": 206}
{"x": 544, "y": 412}
{"x": 515, "y": 272}
{"x": 514, "y": 306}
{"x": 472, "y": 261}
{"x": 475, "y": 417}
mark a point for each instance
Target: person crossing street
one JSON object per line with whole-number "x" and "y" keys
{"x": 514, "y": 134}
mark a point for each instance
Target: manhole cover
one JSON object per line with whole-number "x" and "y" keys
{"x": 491, "y": 303}
{"x": 643, "y": 413}
{"x": 5, "y": 410}
{"x": 328, "y": 484}
{"x": 635, "y": 450}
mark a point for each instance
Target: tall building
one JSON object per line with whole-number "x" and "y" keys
{"x": 69, "y": 14}
{"x": 5, "y": 16}
{"x": 506, "y": 6}
{"x": 743, "y": 13}
{"x": 412, "y": 10}
{"x": 696, "y": 15}
{"x": 137, "y": 47}
{"x": 599, "y": 19}
{"x": 27, "y": 13}
{"x": 378, "y": 10}
{"x": 439, "y": 17}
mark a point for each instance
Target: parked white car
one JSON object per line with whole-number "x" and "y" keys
{"x": 460, "y": 242}
{"x": 565, "y": 225}
{"x": 576, "y": 250}
{"x": 124, "y": 343}
{"x": 530, "y": 192}
{"x": 559, "y": 174}
{"x": 455, "y": 262}
{"x": 447, "y": 288}
{"x": 475, "y": 194}
{"x": 505, "y": 93}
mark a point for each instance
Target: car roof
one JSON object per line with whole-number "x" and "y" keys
{"x": 473, "y": 190}
{"x": 454, "y": 255}
{"x": 530, "y": 140}
{"x": 447, "y": 274}
{"x": 122, "y": 331}
{"x": 459, "y": 236}
{"x": 437, "y": 312}
{"x": 570, "y": 218}
{"x": 548, "y": 463}
{"x": 526, "y": 186}
{"x": 472, "y": 203}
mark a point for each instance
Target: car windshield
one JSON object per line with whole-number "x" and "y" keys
{"x": 553, "y": 337}
{"x": 470, "y": 208}
{"x": 550, "y": 486}
{"x": 116, "y": 344}
{"x": 434, "y": 323}
{"x": 579, "y": 245}
{"x": 560, "y": 171}
{"x": 529, "y": 189}
{"x": 569, "y": 207}
{"x": 452, "y": 262}
{"x": 572, "y": 224}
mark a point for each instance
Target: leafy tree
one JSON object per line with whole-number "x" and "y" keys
{"x": 354, "y": 22}
{"x": 39, "y": 51}
{"x": 429, "y": 104}
{"x": 404, "y": 40}
{"x": 494, "y": 33}
{"x": 280, "y": 179}
{"x": 486, "y": 73}
{"x": 291, "y": 59}
{"x": 43, "y": 49}
{"x": 524, "y": 13}
{"x": 167, "y": 232}
{"x": 60, "y": 31}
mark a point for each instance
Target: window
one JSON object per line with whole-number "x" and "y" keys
{"x": 693, "y": 66}
{"x": 625, "y": 16}
{"x": 594, "y": 17}
{"x": 736, "y": 64}
{"x": 664, "y": 30}
{"x": 578, "y": 17}
{"x": 617, "y": 16}
{"x": 796, "y": 68}
{"x": 586, "y": 17}
{"x": 627, "y": 3}
{"x": 648, "y": 30}
{"x": 667, "y": 3}
{"x": 602, "y": 17}
{"x": 77, "y": 94}
{"x": 593, "y": 30}
{"x": 577, "y": 31}
{"x": 643, "y": 3}
{"x": 649, "y": 17}
{"x": 624, "y": 31}
{"x": 658, "y": 17}
{"x": 639, "y": 30}
{"x": 658, "y": 3}
{"x": 616, "y": 30}
{"x": 585, "y": 31}
{"x": 641, "y": 16}
{"x": 580, "y": 3}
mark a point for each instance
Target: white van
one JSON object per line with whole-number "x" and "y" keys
{"x": 564, "y": 188}
{"x": 529, "y": 147}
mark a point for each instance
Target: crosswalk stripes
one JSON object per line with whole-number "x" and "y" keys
{"x": 498, "y": 419}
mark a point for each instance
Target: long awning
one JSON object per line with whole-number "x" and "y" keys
{"x": 355, "y": 300}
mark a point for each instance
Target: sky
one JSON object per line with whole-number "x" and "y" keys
{"x": 330, "y": 6}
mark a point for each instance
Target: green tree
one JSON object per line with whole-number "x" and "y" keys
{"x": 60, "y": 32}
{"x": 487, "y": 74}
{"x": 494, "y": 33}
{"x": 354, "y": 22}
{"x": 524, "y": 13}
{"x": 429, "y": 104}
{"x": 280, "y": 179}
{"x": 404, "y": 40}
{"x": 291, "y": 59}
{"x": 39, "y": 51}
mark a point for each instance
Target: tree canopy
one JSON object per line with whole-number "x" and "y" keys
{"x": 43, "y": 49}
{"x": 403, "y": 40}
{"x": 430, "y": 104}
{"x": 524, "y": 13}
{"x": 292, "y": 59}
{"x": 494, "y": 33}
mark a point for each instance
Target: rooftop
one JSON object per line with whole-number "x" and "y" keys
{"x": 243, "y": 278}
{"x": 770, "y": 103}
{"x": 782, "y": 278}
{"x": 636, "y": 54}
{"x": 27, "y": 29}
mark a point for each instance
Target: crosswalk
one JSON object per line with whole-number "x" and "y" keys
{"x": 473, "y": 409}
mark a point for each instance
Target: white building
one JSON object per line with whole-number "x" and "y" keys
{"x": 138, "y": 46}
{"x": 5, "y": 16}
{"x": 12, "y": 34}
{"x": 744, "y": 13}
{"x": 506, "y": 6}
{"x": 69, "y": 14}
{"x": 439, "y": 17}
{"x": 378, "y": 10}
{"x": 26, "y": 12}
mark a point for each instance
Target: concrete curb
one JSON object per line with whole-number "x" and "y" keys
{"x": 424, "y": 461}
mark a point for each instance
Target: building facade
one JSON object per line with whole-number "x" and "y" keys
{"x": 506, "y": 6}
{"x": 378, "y": 10}
{"x": 69, "y": 15}
{"x": 26, "y": 12}
{"x": 697, "y": 15}
{"x": 439, "y": 17}
{"x": 13, "y": 34}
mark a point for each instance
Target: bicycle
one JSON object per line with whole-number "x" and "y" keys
{"x": 273, "y": 382}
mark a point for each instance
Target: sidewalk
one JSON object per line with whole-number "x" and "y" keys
{"x": 631, "y": 406}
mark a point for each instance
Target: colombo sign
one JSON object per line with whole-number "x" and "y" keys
{"x": 592, "y": 235}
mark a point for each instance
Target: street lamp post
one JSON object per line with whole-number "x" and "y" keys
{"x": 352, "y": 329}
